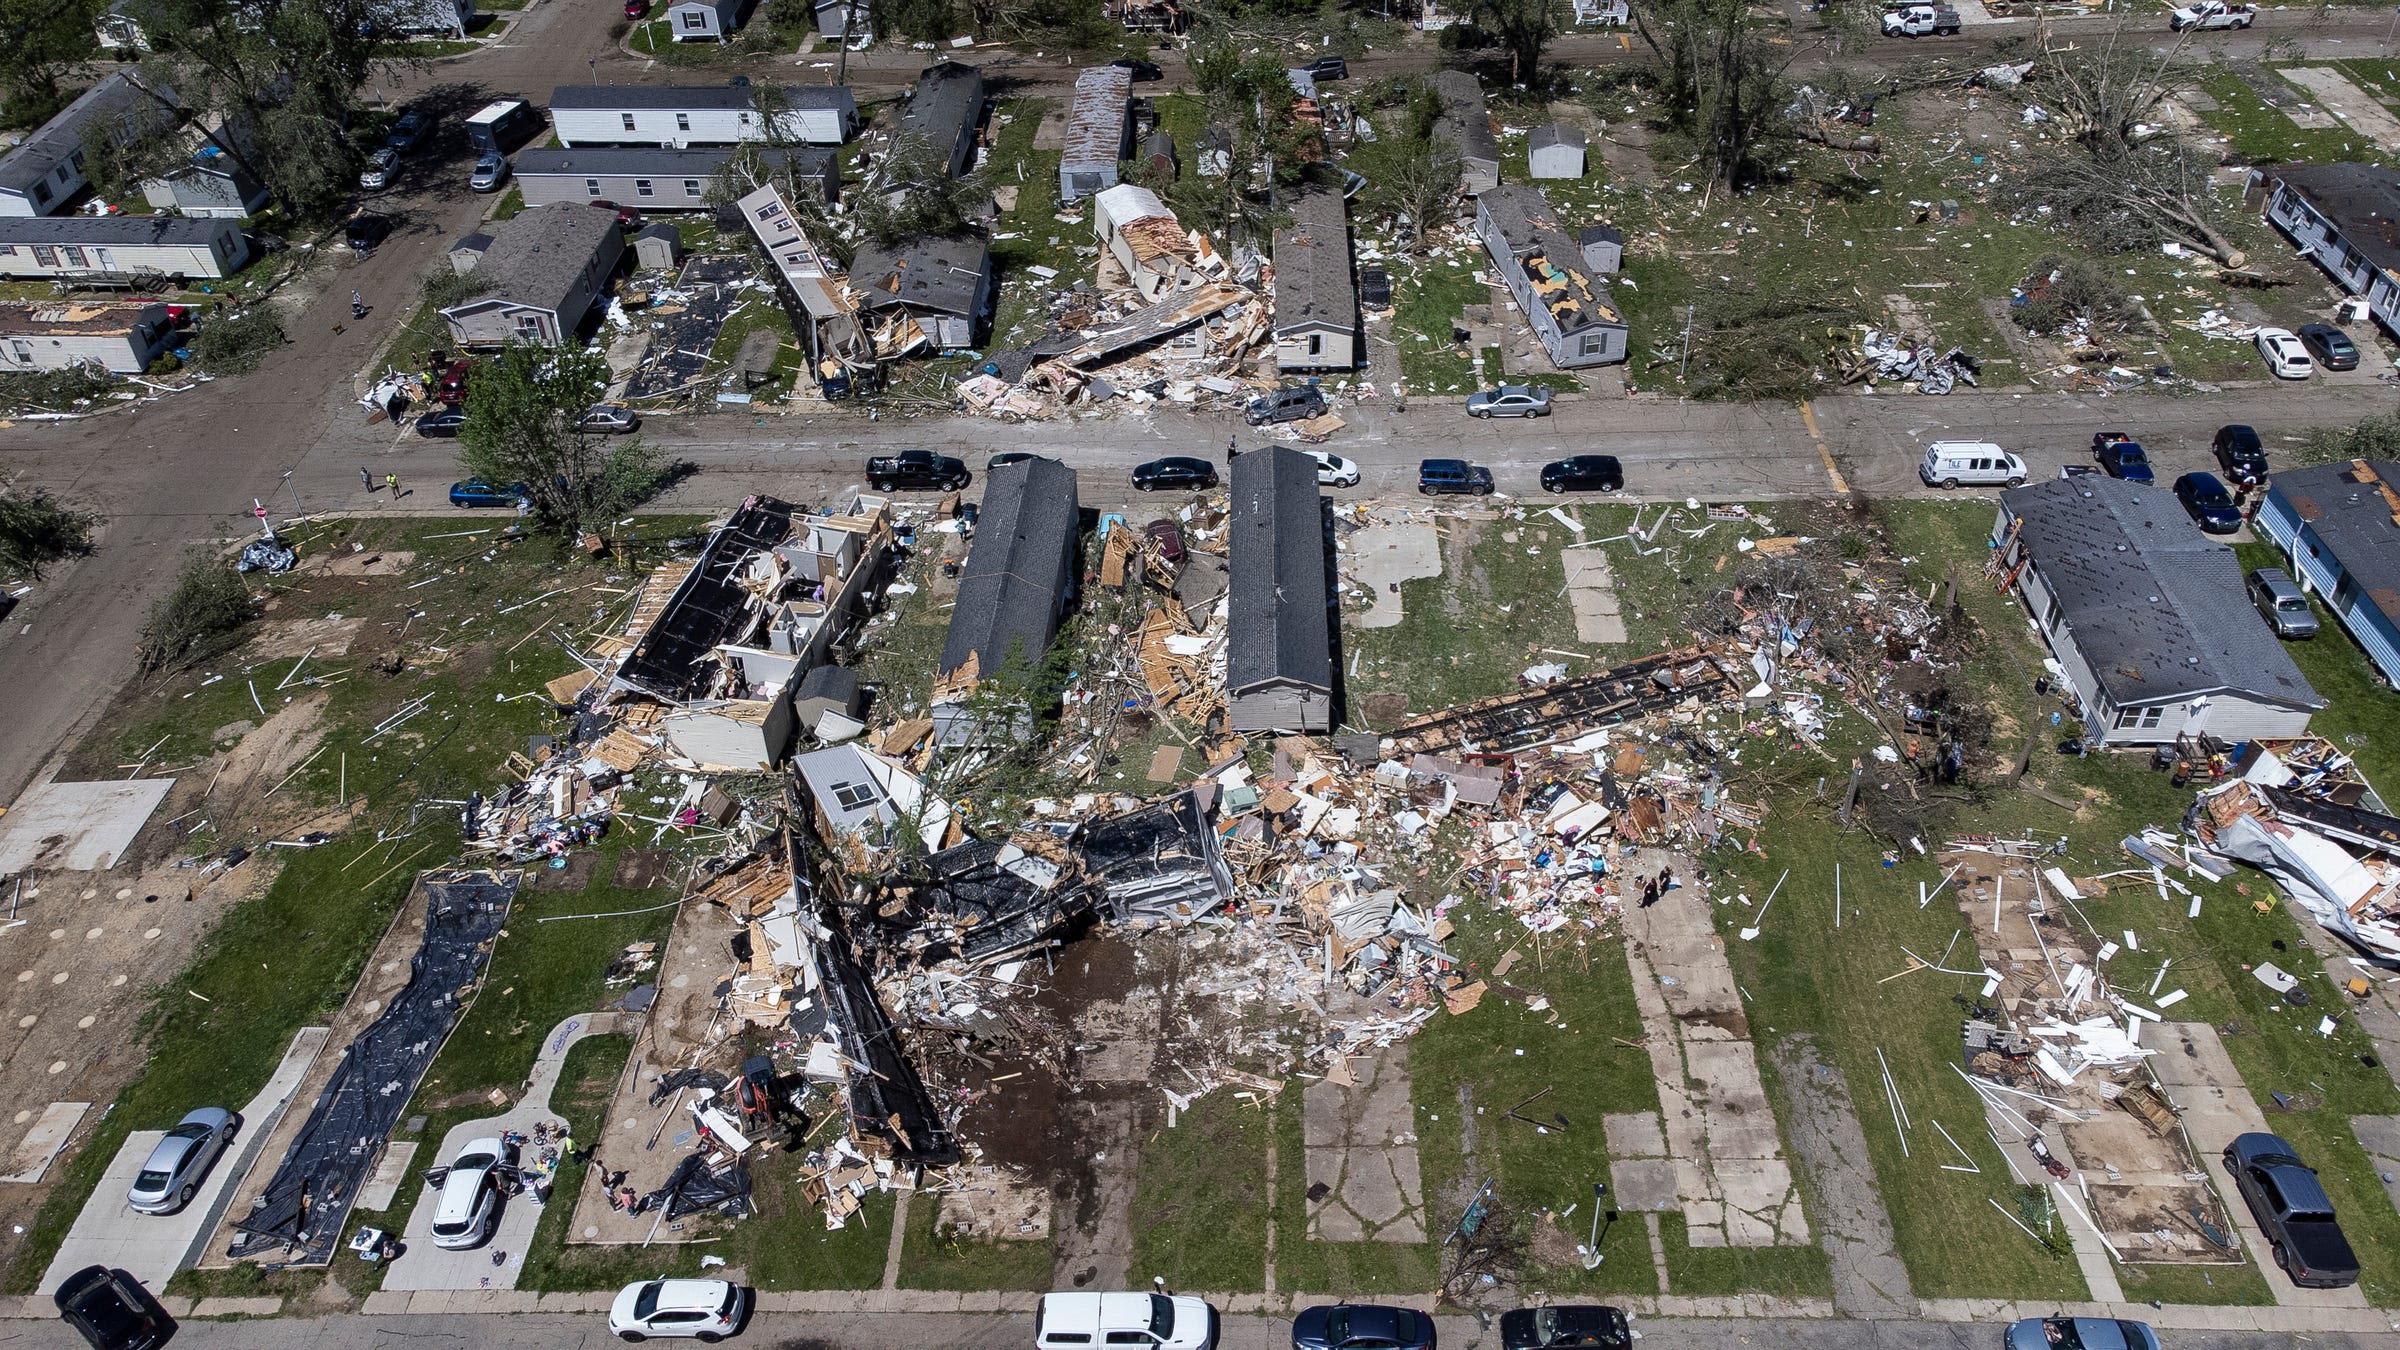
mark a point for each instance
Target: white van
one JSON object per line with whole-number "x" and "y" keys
{"x": 1950, "y": 464}
{"x": 1075, "y": 1321}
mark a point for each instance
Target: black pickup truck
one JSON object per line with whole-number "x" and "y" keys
{"x": 2293, "y": 1211}
{"x": 917, "y": 469}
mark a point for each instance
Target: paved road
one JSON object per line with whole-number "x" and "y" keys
{"x": 1013, "y": 1332}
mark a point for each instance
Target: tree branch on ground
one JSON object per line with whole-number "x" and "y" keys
{"x": 1412, "y": 174}
{"x": 37, "y": 529}
{"x": 237, "y": 343}
{"x": 202, "y": 617}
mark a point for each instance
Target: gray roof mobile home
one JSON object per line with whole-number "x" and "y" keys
{"x": 946, "y": 284}
{"x": 711, "y": 20}
{"x": 1316, "y": 303}
{"x": 546, "y": 268}
{"x": 1099, "y": 132}
{"x": 944, "y": 112}
{"x": 684, "y": 115}
{"x": 1019, "y": 581}
{"x": 1468, "y": 127}
{"x": 121, "y": 246}
{"x": 1571, "y": 309}
{"x": 45, "y": 170}
{"x": 653, "y": 180}
{"x": 1279, "y": 615}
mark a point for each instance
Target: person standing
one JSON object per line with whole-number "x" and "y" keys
{"x": 366, "y": 480}
{"x": 358, "y": 305}
{"x": 392, "y": 481}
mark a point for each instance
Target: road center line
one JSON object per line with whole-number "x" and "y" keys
{"x": 1808, "y": 418}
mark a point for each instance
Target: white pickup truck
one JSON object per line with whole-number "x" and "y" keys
{"x": 1919, "y": 20}
{"x": 2212, "y": 14}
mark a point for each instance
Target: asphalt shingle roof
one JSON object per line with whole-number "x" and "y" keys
{"x": 945, "y": 106}
{"x": 537, "y": 257}
{"x": 1018, "y": 569}
{"x": 111, "y": 231}
{"x": 2362, "y": 201}
{"x": 1464, "y": 123}
{"x": 2355, "y": 520}
{"x": 1576, "y": 298}
{"x": 944, "y": 275}
{"x": 809, "y": 162}
{"x": 39, "y": 154}
{"x": 2156, "y": 608}
{"x": 1278, "y": 624}
{"x": 1312, "y": 265}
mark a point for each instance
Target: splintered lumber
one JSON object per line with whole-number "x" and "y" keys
{"x": 1554, "y": 712}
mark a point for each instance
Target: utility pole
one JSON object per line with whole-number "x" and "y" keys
{"x": 841, "y": 62}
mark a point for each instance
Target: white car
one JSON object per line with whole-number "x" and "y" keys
{"x": 382, "y": 167}
{"x": 1158, "y": 1321}
{"x": 469, "y": 1194}
{"x": 701, "y": 1310}
{"x": 1333, "y": 470}
{"x": 2287, "y": 358}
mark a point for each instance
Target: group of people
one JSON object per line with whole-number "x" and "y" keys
{"x": 1654, "y": 887}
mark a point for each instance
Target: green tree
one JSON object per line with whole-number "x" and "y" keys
{"x": 915, "y": 199}
{"x": 1268, "y": 153}
{"x": 37, "y": 529}
{"x": 1721, "y": 77}
{"x": 1412, "y": 174}
{"x": 203, "y": 616}
{"x": 239, "y": 343}
{"x": 522, "y": 416}
{"x": 916, "y": 20}
{"x": 2376, "y": 437}
{"x": 43, "y": 40}
{"x": 1522, "y": 27}
{"x": 286, "y": 72}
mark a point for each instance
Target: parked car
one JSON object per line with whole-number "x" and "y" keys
{"x": 1557, "y": 1328}
{"x": 2286, "y": 356}
{"x": 1296, "y": 404}
{"x": 702, "y": 1310}
{"x": 468, "y": 1191}
{"x": 613, "y": 418}
{"x": 1977, "y": 463}
{"x": 112, "y": 1310}
{"x": 1583, "y": 473}
{"x": 1375, "y": 288}
{"x": 637, "y": 10}
{"x": 1156, "y": 1321}
{"x": 365, "y": 230}
{"x": 1175, "y": 472}
{"x": 2122, "y": 456}
{"x": 382, "y": 167}
{"x": 1142, "y": 71}
{"x": 2293, "y": 1210}
{"x": 474, "y": 492}
{"x": 1006, "y": 457}
{"x": 1509, "y": 400}
{"x": 409, "y": 132}
{"x": 627, "y": 217}
{"x": 1328, "y": 68}
{"x": 1334, "y": 470}
{"x": 490, "y": 175}
{"x": 171, "y": 1175}
{"x": 2207, "y": 502}
{"x": 444, "y": 423}
{"x": 917, "y": 469}
{"x": 2079, "y": 1333}
{"x": 1450, "y": 477}
{"x": 2281, "y": 603}
{"x": 1168, "y": 536}
{"x": 2211, "y": 14}
{"x": 451, "y": 388}
{"x": 1361, "y": 1326}
{"x": 2331, "y": 347}
{"x": 2240, "y": 455}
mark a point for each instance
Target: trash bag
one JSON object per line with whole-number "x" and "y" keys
{"x": 267, "y": 555}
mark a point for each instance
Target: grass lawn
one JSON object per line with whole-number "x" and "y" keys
{"x": 2361, "y": 708}
{"x": 933, "y": 1261}
{"x": 1428, "y": 295}
{"x": 1203, "y": 1200}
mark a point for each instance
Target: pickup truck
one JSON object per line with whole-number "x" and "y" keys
{"x": 2293, "y": 1211}
{"x": 2212, "y": 14}
{"x": 1919, "y": 20}
{"x": 917, "y": 469}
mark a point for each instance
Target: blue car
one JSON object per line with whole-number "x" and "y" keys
{"x": 2080, "y": 1333}
{"x": 1452, "y": 477}
{"x": 476, "y": 492}
{"x": 1361, "y": 1326}
{"x": 2122, "y": 456}
{"x": 2208, "y": 503}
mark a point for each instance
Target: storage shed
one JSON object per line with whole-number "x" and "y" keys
{"x": 657, "y": 247}
{"x": 1279, "y": 615}
{"x": 1603, "y": 248}
{"x": 1555, "y": 151}
{"x": 1099, "y": 132}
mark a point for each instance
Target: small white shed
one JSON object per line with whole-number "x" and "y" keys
{"x": 1555, "y": 151}
{"x": 705, "y": 20}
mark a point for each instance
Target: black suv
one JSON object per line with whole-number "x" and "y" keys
{"x": 2240, "y": 455}
{"x": 1449, "y": 477}
{"x": 1286, "y": 405}
{"x": 1583, "y": 473}
{"x": 112, "y": 1310}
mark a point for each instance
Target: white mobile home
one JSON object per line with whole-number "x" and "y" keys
{"x": 121, "y": 246}
{"x": 1316, "y": 303}
{"x": 676, "y": 116}
{"x": 55, "y": 335}
{"x": 705, "y": 20}
{"x": 44, "y": 172}
{"x": 2341, "y": 216}
{"x": 652, "y": 180}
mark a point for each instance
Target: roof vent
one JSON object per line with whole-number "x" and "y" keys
{"x": 2154, "y": 599}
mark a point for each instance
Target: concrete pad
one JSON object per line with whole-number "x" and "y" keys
{"x": 1635, "y": 1134}
{"x": 383, "y": 1186}
{"x": 2336, "y": 93}
{"x": 426, "y": 1269}
{"x": 1382, "y": 557}
{"x": 1374, "y": 1190}
{"x": 43, "y": 1139}
{"x": 77, "y": 827}
{"x": 155, "y": 1246}
{"x": 1592, "y": 594}
{"x": 2380, "y": 1137}
{"x": 1643, "y": 1183}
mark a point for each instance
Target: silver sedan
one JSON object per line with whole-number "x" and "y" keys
{"x": 170, "y": 1177}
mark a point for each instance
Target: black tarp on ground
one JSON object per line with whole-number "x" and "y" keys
{"x": 303, "y": 1208}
